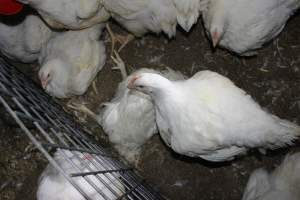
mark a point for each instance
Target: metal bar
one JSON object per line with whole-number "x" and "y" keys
{"x": 70, "y": 140}
{"x": 58, "y": 130}
{"x": 40, "y": 147}
{"x": 130, "y": 191}
{"x": 74, "y": 149}
{"x": 100, "y": 172}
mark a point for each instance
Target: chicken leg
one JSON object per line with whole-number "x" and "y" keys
{"x": 82, "y": 108}
{"x": 123, "y": 40}
{"x": 120, "y": 65}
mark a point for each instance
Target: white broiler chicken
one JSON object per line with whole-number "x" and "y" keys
{"x": 142, "y": 16}
{"x": 282, "y": 183}
{"x": 70, "y": 61}
{"x": 54, "y": 186}
{"x": 129, "y": 118}
{"x": 23, "y": 41}
{"x": 207, "y": 116}
{"x": 188, "y": 12}
{"x": 243, "y": 26}
{"x": 70, "y": 14}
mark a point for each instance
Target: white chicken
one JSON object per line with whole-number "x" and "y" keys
{"x": 23, "y": 41}
{"x": 188, "y": 12}
{"x": 70, "y": 61}
{"x": 142, "y": 16}
{"x": 54, "y": 186}
{"x": 207, "y": 116}
{"x": 243, "y": 26}
{"x": 282, "y": 183}
{"x": 129, "y": 118}
{"x": 70, "y": 14}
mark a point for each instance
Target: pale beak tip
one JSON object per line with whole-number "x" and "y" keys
{"x": 129, "y": 86}
{"x": 215, "y": 43}
{"x": 131, "y": 82}
{"x": 215, "y": 36}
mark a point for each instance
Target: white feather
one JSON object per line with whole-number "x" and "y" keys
{"x": 24, "y": 40}
{"x": 188, "y": 12}
{"x": 70, "y": 14}
{"x": 53, "y": 186}
{"x": 73, "y": 59}
{"x": 282, "y": 183}
{"x": 142, "y": 16}
{"x": 245, "y": 26}
{"x": 208, "y": 116}
{"x": 129, "y": 118}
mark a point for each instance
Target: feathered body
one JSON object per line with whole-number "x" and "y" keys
{"x": 23, "y": 41}
{"x": 70, "y": 14}
{"x": 71, "y": 60}
{"x": 129, "y": 118}
{"x": 243, "y": 26}
{"x": 188, "y": 12}
{"x": 142, "y": 16}
{"x": 282, "y": 183}
{"x": 208, "y": 116}
{"x": 53, "y": 185}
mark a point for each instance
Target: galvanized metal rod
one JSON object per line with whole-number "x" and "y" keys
{"x": 100, "y": 172}
{"x": 40, "y": 147}
{"x": 93, "y": 162}
{"x": 66, "y": 132}
{"x": 73, "y": 149}
{"x": 66, "y": 157}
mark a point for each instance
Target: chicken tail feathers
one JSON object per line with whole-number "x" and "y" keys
{"x": 288, "y": 132}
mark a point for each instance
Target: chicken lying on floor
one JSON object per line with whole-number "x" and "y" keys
{"x": 54, "y": 186}
{"x": 70, "y": 14}
{"x": 244, "y": 26}
{"x": 282, "y": 183}
{"x": 142, "y": 16}
{"x": 70, "y": 61}
{"x": 129, "y": 118}
{"x": 23, "y": 41}
{"x": 207, "y": 116}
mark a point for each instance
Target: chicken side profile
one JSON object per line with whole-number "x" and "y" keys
{"x": 70, "y": 61}
{"x": 23, "y": 41}
{"x": 282, "y": 183}
{"x": 207, "y": 116}
{"x": 70, "y": 14}
{"x": 142, "y": 16}
{"x": 129, "y": 118}
{"x": 244, "y": 26}
{"x": 54, "y": 186}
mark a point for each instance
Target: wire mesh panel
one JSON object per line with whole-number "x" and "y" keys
{"x": 51, "y": 129}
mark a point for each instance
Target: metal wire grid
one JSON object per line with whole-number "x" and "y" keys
{"x": 53, "y": 129}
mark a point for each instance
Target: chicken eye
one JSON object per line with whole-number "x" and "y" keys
{"x": 141, "y": 86}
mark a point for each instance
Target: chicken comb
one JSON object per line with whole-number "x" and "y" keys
{"x": 10, "y": 7}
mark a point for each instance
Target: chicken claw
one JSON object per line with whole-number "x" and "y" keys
{"x": 83, "y": 109}
{"x": 94, "y": 86}
{"x": 119, "y": 64}
{"x": 123, "y": 40}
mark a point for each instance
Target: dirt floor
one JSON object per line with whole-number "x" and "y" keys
{"x": 272, "y": 78}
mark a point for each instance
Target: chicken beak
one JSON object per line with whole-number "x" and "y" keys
{"x": 215, "y": 36}
{"x": 131, "y": 82}
{"x": 44, "y": 82}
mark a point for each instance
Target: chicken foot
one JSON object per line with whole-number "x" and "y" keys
{"x": 82, "y": 108}
{"x": 120, "y": 65}
{"x": 116, "y": 38}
